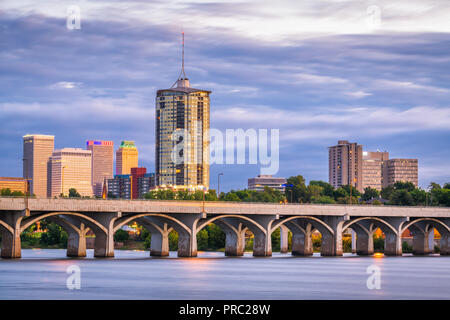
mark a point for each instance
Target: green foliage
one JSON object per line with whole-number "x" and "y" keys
{"x": 377, "y": 203}
{"x": 121, "y": 235}
{"x": 73, "y": 193}
{"x": 369, "y": 194}
{"x": 323, "y": 200}
{"x": 387, "y": 192}
{"x": 378, "y": 244}
{"x": 347, "y": 244}
{"x": 8, "y": 193}
{"x": 276, "y": 240}
{"x": 55, "y": 235}
{"x": 402, "y": 198}
{"x": 216, "y": 237}
{"x": 202, "y": 240}
{"x": 299, "y": 191}
{"x": 406, "y": 248}
{"x": 327, "y": 189}
{"x": 173, "y": 240}
{"x": 400, "y": 185}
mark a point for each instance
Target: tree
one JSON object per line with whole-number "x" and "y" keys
{"x": 402, "y": 198}
{"x": 299, "y": 192}
{"x": 313, "y": 192}
{"x": 446, "y": 186}
{"x": 327, "y": 189}
{"x": 121, "y": 235}
{"x": 324, "y": 200}
{"x": 408, "y": 186}
{"x": 387, "y": 192}
{"x": 370, "y": 193}
{"x": 73, "y": 193}
{"x": 419, "y": 197}
{"x": 202, "y": 240}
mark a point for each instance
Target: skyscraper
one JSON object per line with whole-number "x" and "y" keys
{"x": 182, "y": 135}
{"x": 37, "y": 150}
{"x": 71, "y": 168}
{"x": 102, "y": 163}
{"x": 345, "y": 164}
{"x": 126, "y": 157}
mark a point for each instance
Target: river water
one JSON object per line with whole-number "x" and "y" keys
{"x": 41, "y": 274}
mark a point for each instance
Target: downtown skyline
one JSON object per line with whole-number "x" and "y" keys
{"x": 387, "y": 89}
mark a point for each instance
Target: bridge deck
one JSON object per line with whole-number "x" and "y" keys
{"x": 162, "y": 206}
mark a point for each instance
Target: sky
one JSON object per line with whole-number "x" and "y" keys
{"x": 372, "y": 72}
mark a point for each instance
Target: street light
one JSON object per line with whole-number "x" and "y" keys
{"x": 218, "y": 184}
{"x": 290, "y": 190}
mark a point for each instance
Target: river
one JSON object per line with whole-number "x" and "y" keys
{"x": 41, "y": 274}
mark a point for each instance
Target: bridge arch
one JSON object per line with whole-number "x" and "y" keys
{"x": 35, "y": 218}
{"x": 211, "y": 220}
{"x": 124, "y": 220}
{"x": 436, "y": 223}
{"x": 318, "y": 221}
{"x": 383, "y": 222}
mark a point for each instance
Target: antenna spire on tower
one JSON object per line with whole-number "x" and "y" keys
{"x": 182, "y": 81}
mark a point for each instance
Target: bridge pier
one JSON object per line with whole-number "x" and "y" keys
{"x": 393, "y": 239}
{"x": 234, "y": 236}
{"x": 262, "y": 241}
{"x": 284, "y": 239}
{"x": 301, "y": 238}
{"x": 364, "y": 239}
{"x": 10, "y": 228}
{"x": 331, "y": 239}
{"x": 420, "y": 239}
{"x": 104, "y": 238}
{"x": 159, "y": 231}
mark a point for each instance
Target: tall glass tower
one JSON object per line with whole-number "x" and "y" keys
{"x": 182, "y": 135}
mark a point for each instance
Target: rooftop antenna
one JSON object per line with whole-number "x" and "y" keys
{"x": 182, "y": 75}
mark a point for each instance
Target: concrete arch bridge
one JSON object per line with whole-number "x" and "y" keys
{"x": 105, "y": 217}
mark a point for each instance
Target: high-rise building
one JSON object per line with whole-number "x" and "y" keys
{"x": 102, "y": 163}
{"x": 126, "y": 158}
{"x": 345, "y": 165}
{"x": 373, "y": 168}
{"x": 258, "y": 183}
{"x": 405, "y": 170}
{"x": 71, "y": 168}
{"x": 182, "y": 135}
{"x": 37, "y": 150}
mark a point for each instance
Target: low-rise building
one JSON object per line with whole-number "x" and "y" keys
{"x": 258, "y": 183}
{"x": 13, "y": 184}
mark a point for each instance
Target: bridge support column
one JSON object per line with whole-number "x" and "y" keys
{"x": 364, "y": 238}
{"x": 10, "y": 228}
{"x": 420, "y": 239}
{"x": 393, "y": 239}
{"x": 76, "y": 243}
{"x": 301, "y": 238}
{"x": 187, "y": 233}
{"x": 262, "y": 241}
{"x": 353, "y": 233}
{"x": 234, "y": 236}
{"x": 332, "y": 241}
{"x": 104, "y": 238}
{"x": 284, "y": 239}
{"x": 159, "y": 231}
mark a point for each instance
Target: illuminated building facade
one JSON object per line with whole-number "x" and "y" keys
{"x": 182, "y": 135}
{"x": 258, "y": 183}
{"x": 71, "y": 168}
{"x": 126, "y": 157}
{"x": 374, "y": 164}
{"x": 37, "y": 150}
{"x": 102, "y": 163}
{"x": 13, "y": 184}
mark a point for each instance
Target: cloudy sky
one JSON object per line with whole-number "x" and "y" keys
{"x": 374, "y": 72}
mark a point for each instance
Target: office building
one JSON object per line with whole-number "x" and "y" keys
{"x": 182, "y": 139}
{"x": 13, "y": 184}
{"x": 71, "y": 168}
{"x": 345, "y": 165}
{"x": 131, "y": 186}
{"x": 126, "y": 158}
{"x": 37, "y": 150}
{"x": 405, "y": 170}
{"x": 258, "y": 183}
{"x": 373, "y": 166}
{"x": 102, "y": 163}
